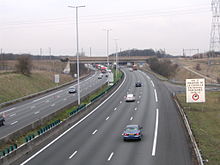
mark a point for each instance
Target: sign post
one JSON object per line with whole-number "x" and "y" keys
{"x": 195, "y": 90}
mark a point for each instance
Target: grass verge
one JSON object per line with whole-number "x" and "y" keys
{"x": 204, "y": 119}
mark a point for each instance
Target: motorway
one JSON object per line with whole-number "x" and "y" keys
{"x": 96, "y": 139}
{"x": 26, "y": 112}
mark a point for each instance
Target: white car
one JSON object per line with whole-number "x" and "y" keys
{"x": 130, "y": 98}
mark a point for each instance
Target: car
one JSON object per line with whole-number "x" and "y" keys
{"x": 138, "y": 84}
{"x": 2, "y": 120}
{"x": 72, "y": 90}
{"x": 132, "y": 132}
{"x": 100, "y": 76}
{"x": 130, "y": 98}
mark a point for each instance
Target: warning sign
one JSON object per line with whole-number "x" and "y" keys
{"x": 195, "y": 90}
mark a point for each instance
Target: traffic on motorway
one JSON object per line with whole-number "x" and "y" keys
{"x": 98, "y": 138}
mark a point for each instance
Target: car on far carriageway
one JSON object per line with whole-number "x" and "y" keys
{"x": 2, "y": 120}
{"x": 72, "y": 90}
{"x": 132, "y": 132}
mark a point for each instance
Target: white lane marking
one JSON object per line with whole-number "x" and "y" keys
{"x": 120, "y": 102}
{"x": 131, "y": 118}
{"x": 139, "y": 96}
{"x": 81, "y": 120}
{"x": 115, "y": 109}
{"x": 46, "y": 96}
{"x": 9, "y": 110}
{"x": 110, "y": 157}
{"x": 155, "y": 93}
{"x": 73, "y": 155}
{"x": 155, "y": 133}
{"x": 12, "y": 115}
{"x": 138, "y": 102}
{"x": 14, "y": 123}
{"x": 36, "y": 112}
{"x": 64, "y": 99}
{"x": 135, "y": 109}
{"x": 32, "y": 107}
{"x": 52, "y": 105}
{"x": 94, "y": 132}
{"x": 152, "y": 83}
{"x": 107, "y": 118}
{"x": 47, "y": 101}
{"x": 148, "y": 77}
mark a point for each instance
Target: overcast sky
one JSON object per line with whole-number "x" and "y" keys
{"x": 28, "y": 25}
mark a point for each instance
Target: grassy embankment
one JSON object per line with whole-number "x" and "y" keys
{"x": 204, "y": 119}
{"x": 13, "y": 86}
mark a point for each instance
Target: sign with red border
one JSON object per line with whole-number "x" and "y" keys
{"x": 195, "y": 90}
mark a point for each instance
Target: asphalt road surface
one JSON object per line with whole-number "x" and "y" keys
{"x": 26, "y": 112}
{"x": 97, "y": 138}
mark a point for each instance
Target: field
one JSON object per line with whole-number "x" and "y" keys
{"x": 204, "y": 119}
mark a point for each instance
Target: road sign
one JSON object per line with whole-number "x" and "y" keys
{"x": 195, "y": 90}
{"x": 57, "y": 78}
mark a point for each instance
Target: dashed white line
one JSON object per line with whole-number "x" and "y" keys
{"x": 14, "y": 123}
{"x": 94, "y": 132}
{"x": 120, "y": 102}
{"x": 155, "y": 134}
{"x": 52, "y": 105}
{"x": 47, "y": 101}
{"x": 155, "y": 93}
{"x": 135, "y": 109}
{"x": 107, "y": 118}
{"x": 138, "y": 102}
{"x": 12, "y": 115}
{"x": 115, "y": 109}
{"x": 131, "y": 118}
{"x": 110, "y": 157}
{"x": 71, "y": 156}
{"x": 36, "y": 112}
{"x": 32, "y": 107}
{"x": 47, "y": 96}
{"x": 139, "y": 96}
{"x": 64, "y": 99}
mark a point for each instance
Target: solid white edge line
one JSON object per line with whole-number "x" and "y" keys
{"x": 73, "y": 155}
{"x": 155, "y": 93}
{"x": 152, "y": 83}
{"x": 110, "y": 157}
{"x": 9, "y": 110}
{"x": 45, "y": 147}
{"x": 94, "y": 132}
{"x": 155, "y": 133}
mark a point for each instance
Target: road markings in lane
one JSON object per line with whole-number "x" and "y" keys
{"x": 36, "y": 112}
{"x": 71, "y": 156}
{"x": 120, "y": 102}
{"x": 131, "y": 118}
{"x": 46, "y": 96}
{"x": 152, "y": 83}
{"x": 155, "y": 93}
{"x": 107, "y": 118}
{"x": 47, "y": 101}
{"x": 155, "y": 133}
{"x": 138, "y": 102}
{"x": 65, "y": 99}
{"x": 148, "y": 77}
{"x": 135, "y": 109}
{"x": 32, "y": 107}
{"x": 76, "y": 124}
{"x": 115, "y": 109}
{"x": 52, "y": 105}
{"x": 94, "y": 132}
{"x": 139, "y": 96}
{"x": 12, "y": 115}
{"x": 14, "y": 123}
{"x": 110, "y": 157}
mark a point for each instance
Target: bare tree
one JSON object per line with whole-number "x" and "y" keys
{"x": 24, "y": 65}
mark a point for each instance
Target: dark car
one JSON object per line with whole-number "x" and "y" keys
{"x": 72, "y": 90}
{"x": 138, "y": 84}
{"x": 2, "y": 120}
{"x": 132, "y": 132}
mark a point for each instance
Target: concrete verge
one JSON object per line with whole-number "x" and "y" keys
{"x": 25, "y": 149}
{"x": 193, "y": 141}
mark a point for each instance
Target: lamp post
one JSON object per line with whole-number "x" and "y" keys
{"x": 77, "y": 50}
{"x": 116, "y": 67}
{"x": 107, "y": 45}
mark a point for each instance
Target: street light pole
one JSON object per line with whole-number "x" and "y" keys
{"x": 77, "y": 50}
{"x": 116, "y": 67}
{"x": 107, "y": 45}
